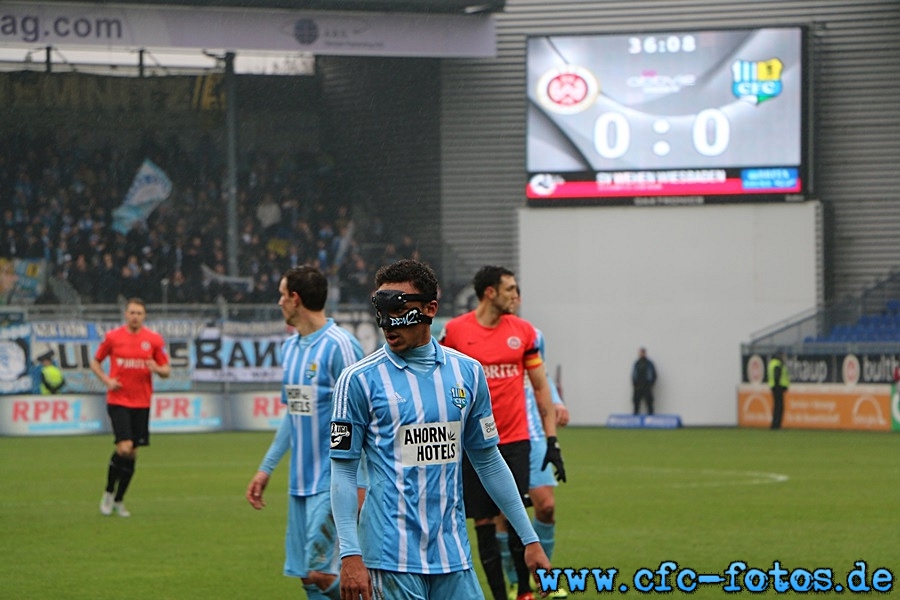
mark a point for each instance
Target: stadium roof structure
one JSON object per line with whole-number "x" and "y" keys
{"x": 271, "y": 37}
{"x": 463, "y": 7}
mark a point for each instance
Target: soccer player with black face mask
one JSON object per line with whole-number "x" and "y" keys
{"x": 413, "y": 408}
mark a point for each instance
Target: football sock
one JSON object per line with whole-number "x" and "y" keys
{"x": 506, "y": 557}
{"x": 546, "y": 534}
{"x": 112, "y": 474}
{"x": 489, "y": 551}
{"x": 126, "y": 471}
{"x": 517, "y": 550}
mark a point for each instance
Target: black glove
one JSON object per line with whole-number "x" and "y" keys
{"x": 554, "y": 455}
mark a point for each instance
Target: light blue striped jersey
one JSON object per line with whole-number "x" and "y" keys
{"x": 535, "y": 424}
{"x": 312, "y": 365}
{"x": 412, "y": 429}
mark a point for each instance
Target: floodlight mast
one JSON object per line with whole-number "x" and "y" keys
{"x": 231, "y": 151}
{"x": 231, "y": 128}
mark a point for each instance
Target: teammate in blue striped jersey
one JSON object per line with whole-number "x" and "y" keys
{"x": 312, "y": 360}
{"x": 411, "y": 408}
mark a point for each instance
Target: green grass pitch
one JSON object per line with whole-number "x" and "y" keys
{"x": 699, "y": 497}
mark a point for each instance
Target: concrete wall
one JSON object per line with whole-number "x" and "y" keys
{"x": 688, "y": 283}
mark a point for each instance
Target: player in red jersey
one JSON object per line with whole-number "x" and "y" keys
{"x": 506, "y": 346}
{"x": 135, "y": 354}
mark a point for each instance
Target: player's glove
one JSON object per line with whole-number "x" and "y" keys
{"x": 554, "y": 455}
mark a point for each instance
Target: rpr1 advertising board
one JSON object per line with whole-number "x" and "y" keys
{"x": 80, "y": 414}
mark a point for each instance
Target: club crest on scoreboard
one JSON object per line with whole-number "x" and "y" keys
{"x": 756, "y": 82}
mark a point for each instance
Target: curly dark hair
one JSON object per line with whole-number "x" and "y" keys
{"x": 420, "y": 275}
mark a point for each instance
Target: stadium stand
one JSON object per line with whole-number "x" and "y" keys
{"x": 58, "y": 196}
{"x": 873, "y": 317}
{"x": 884, "y": 327}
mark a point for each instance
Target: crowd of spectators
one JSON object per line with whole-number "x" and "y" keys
{"x": 58, "y": 197}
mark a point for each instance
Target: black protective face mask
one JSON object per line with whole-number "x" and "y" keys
{"x": 393, "y": 301}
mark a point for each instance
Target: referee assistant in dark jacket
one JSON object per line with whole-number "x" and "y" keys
{"x": 643, "y": 376}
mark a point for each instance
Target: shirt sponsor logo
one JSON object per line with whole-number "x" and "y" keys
{"x": 489, "y": 428}
{"x": 423, "y": 444}
{"x": 341, "y": 436}
{"x": 132, "y": 363}
{"x": 502, "y": 371}
{"x": 300, "y": 400}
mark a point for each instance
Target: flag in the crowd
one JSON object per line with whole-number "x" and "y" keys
{"x": 15, "y": 375}
{"x": 151, "y": 186}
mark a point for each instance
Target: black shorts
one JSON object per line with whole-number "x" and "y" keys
{"x": 130, "y": 424}
{"x": 479, "y": 504}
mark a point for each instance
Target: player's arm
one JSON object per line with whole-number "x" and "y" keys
{"x": 538, "y": 376}
{"x": 347, "y": 431}
{"x": 544, "y": 398}
{"x": 500, "y": 485}
{"x": 161, "y": 370}
{"x": 97, "y": 369}
{"x": 355, "y": 582}
{"x": 277, "y": 449}
{"x": 480, "y": 444}
{"x": 562, "y": 413}
{"x": 159, "y": 364}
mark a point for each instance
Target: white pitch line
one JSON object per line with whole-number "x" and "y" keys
{"x": 752, "y": 478}
{"x": 198, "y": 465}
{"x": 734, "y": 478}
{"x": 144, "y": 500}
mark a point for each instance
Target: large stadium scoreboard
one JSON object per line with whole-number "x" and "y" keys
{"x": 685, "y": 117}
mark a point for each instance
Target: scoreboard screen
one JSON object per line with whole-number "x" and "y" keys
{"x": 682, "y": 117}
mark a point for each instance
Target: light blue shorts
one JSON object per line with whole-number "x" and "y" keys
{"x": 390, "y": 585}
{"x": 536, "y": 477}
{"x": 311, "y": 540}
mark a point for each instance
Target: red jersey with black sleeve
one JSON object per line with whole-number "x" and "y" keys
{"x": 505, "y": 352}
{"x": 128, "y": 354}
